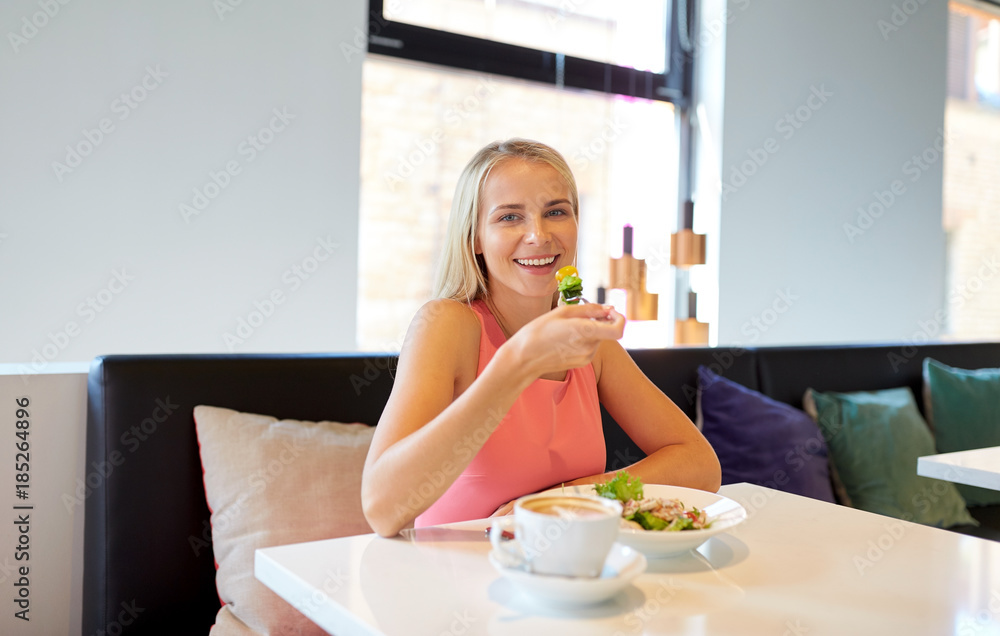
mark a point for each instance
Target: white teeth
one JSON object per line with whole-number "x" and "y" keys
{"x": 535, "y": 261}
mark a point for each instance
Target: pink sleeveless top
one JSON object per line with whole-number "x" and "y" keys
{"x": 552, "y": 434}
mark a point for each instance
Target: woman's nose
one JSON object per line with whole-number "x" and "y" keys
{"x": 538, "y": 231}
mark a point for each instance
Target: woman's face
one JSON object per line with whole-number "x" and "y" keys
{"x": 526, "y": 230}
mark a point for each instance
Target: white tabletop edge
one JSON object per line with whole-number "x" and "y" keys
{"x": 286, "y": 584}
{"x": 977, "y": 467}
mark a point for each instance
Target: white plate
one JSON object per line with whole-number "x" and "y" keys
{"x": 724, "y": 513}
{"x": 623, "y": 565}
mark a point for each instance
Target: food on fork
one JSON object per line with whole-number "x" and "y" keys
{"x": 570, "y": 286}
{"x": 652, "y": 513}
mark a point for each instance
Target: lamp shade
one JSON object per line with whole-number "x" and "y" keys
{"x": 687, "y": 249}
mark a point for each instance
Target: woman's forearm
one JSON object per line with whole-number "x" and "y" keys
{"x": 691, "y": 465}
{"x": 410, "y": 475}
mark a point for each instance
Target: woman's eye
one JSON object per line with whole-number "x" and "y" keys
{"x": 508, "y": 217}
{"x": 557, "y": 212}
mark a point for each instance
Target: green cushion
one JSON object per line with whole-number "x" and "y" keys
{"x": 963, "y": 407}
{"x": 874, "y": 440}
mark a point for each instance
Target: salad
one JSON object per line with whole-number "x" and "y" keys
{"x": 653, "y": 513}
{"x": 570, "y": 285}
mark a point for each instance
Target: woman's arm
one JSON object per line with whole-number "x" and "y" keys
{"x": 677, "y": 453}
{"x": 417, "y": 444}
{"x": 431, "y": 428}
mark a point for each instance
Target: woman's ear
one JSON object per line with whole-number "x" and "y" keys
{"x": 476, "y": 247}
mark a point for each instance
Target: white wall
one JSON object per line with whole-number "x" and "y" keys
{"x": 205, "y": 76}
{"x": 869, "y": 96}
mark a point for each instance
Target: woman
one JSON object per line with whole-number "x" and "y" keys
{"x": 497, "y": 389}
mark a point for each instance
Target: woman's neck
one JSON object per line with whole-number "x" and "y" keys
{"x": 513, "y": 310}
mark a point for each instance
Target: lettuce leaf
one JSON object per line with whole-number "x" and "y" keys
{"x": 648, "y": 521}
{"x": 622, "y": 487}
{"x": 570, "y": 287}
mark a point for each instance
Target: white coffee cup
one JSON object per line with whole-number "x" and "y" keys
{"x": 560, "y": 534}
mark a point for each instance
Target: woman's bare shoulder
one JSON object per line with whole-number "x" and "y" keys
{"x": 609, "y": 355}
{"x": 443, "y": 343}
{"x": 445, "y": 313}
{"x": 444, "y": 324}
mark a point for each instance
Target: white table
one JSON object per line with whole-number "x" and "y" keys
{"x": 796, "y": 566}
{"x": 979, "y": 467}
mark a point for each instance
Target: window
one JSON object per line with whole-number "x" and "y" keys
{"x": 972, "y": 173}
{"x": 630, "y": 34}
{"x": 431, "y": 99}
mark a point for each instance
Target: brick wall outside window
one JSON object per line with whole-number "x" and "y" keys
{"x": 972, "y": 219}
{"x": 972, "y": 176}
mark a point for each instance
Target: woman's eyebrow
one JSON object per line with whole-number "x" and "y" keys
{"x": 508, "y": 206}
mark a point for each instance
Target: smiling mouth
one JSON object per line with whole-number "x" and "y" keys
{"x": 535, "y": 262}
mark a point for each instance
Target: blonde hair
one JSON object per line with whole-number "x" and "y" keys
{"x": 461, "y": 274}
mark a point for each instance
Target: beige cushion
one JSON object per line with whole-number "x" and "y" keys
{"x": 271, "y": 482}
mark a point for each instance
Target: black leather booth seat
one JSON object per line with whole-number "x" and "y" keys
{"x": 147, "y": 541}
{"x": 146, "y": 521}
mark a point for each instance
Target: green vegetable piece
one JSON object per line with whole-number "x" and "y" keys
{"x": 571, "y": 287}
{"x": 622, "y": 487}
{"x": 680, "y": 523}
{"x": 649, "y": 521}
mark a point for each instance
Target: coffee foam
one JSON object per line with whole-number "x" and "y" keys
{"x": 568, "y": 508}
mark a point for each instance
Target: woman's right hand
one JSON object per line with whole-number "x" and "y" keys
{"x": 567, "y": 337}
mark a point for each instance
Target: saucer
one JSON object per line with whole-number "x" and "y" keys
{"x": 623, "y": 565}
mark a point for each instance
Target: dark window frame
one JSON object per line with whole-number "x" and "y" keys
{"x": 444, "y": 48}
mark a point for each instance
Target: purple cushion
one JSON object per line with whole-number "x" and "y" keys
{"x": 762, "y": 441}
